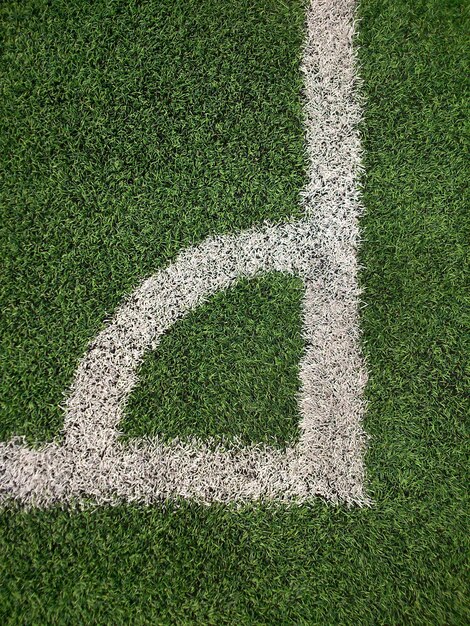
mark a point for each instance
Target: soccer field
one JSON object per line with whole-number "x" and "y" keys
{"x": 132, "y": 131}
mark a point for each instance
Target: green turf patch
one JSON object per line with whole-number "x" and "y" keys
{"x": 230, "y": 369}
{"x": 130, "y": 131}
{"x": 404, "y": 561}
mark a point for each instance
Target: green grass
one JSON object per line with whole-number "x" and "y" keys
{"x": 230, "y": 369}
{"x": 130, "y": 131}
{"x": 403, "y": 561}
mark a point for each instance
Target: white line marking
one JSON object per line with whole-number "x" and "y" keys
{"x": 91, "y": 462}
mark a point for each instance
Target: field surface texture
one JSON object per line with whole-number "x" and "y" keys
{"x": 131, "y": 130}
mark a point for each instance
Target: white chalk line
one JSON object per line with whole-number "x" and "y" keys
{"x": 92, "y": 463}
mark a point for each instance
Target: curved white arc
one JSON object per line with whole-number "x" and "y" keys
{"x": 106, "y": 375}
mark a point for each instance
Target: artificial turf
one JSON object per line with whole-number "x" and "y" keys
{"x": 87, "y": 192}
{"x": 229, "y": 370}
{"x": 130, "y": 131}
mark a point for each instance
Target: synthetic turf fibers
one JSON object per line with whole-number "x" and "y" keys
{"x": 91, "y": 463}
{"x": 405, "y": 559}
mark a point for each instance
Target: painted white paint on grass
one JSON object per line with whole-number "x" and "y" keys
{"x": 92, "y": 462}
